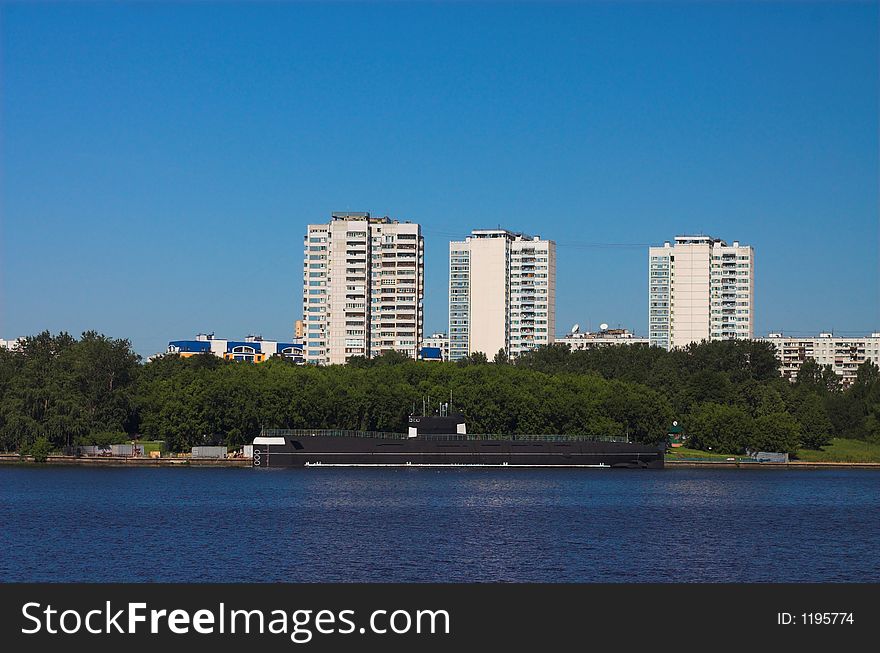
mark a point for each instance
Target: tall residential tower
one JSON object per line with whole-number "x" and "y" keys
{"x": 700, "y": 288}
{"x": 363, "y": 286}
{"x": 502, "y": 293}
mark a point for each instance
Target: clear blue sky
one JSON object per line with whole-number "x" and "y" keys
{"x": 160, "y": 162}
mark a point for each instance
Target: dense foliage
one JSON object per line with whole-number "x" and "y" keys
{"x": 62, "y": 390}
{"x": 728, "y": 395}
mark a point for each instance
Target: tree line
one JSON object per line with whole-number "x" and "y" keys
{"x": 58, "y": 391}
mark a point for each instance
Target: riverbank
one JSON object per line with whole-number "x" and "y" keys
{"x": 126, "y": 461}
{"x": 753, "y": 464}
{"x": 840, "y": 452}
{"x": 671, "y": 463}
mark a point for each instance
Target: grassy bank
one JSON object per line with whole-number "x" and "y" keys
{"x": 683, "y": 453}
{"x": 840, "y": 450}
{"x": 843, "y": 450}
{"x": 151, "y": 445}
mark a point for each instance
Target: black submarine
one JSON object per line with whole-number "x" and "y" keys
{"x": 443, "y": 441}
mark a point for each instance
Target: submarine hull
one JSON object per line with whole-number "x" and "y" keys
{"x": 319, "y": 450}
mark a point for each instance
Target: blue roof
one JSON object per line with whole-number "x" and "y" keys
{"x": 191, "y": 345}
{"x": 431, "y": 353}
{"x": 284, "y": 345}
{"x": 230, "y": 345}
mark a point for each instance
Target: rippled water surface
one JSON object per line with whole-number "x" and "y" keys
{"x": 227, "y": 525}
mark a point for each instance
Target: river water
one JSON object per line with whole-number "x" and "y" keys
{"x": 558, "y": 525}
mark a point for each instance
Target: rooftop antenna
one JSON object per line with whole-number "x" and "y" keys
{"x": 575, "y": 328}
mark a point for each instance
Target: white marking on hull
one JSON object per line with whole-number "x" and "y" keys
{"x": 601, "y": 465}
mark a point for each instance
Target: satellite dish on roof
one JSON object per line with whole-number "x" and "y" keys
{"x": 576, "y": 328}
{"x": 603, "y": 326}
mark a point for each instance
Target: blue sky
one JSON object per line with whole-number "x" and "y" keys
{"x": 160, "y": 161}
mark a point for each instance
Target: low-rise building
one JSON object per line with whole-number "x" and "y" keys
{"x": 253, "y": 348}
{"x": 843, "y": 354}
{"x": 436, "y": 347}
{"x": 577, "y": 340}
{"x": 11, "y": 344}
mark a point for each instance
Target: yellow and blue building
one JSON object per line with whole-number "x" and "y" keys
{"x": 252, "y": 349}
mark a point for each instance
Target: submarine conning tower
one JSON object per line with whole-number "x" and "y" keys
{"x": 428, "y": 425}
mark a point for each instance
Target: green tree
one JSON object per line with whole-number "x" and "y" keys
{"x": 812, "y": 416}
{"x": 39, "y": 449}
{"x": 820, "y": 379}
{"x": 501, "y": 357}
{"x": 391, "y": 357}
{"x": 775, "y": 432}
{"x": 548, "y": 358}
{"x": 104, "y": 438}
{"x": 716, "y": 427}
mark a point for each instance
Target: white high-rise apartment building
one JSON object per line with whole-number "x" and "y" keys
{"x": 363, "y": 286}
{"x": 700, "y": 288}
{"x": 502, "y": 293}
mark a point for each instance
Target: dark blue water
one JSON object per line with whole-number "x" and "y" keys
{"x": 226, "y": 525}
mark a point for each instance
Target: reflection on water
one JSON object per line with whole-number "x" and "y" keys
{"x": 438, "y": 525}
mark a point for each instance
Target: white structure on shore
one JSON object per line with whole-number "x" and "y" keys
{"x": 363, "y": 286}
{"x": 502, "y": 293}
{"x": 605, "y": 337}
{"x": 700, "y": 288}
{"x": 843, "y": 354}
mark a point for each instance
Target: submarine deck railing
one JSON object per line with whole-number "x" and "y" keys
{"x": 304, "y": 433}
